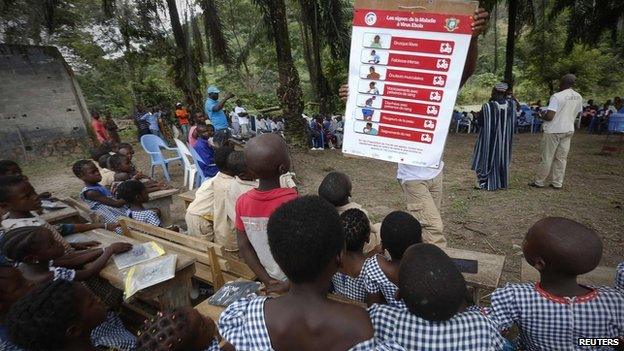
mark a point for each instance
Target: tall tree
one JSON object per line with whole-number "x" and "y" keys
{"x": 511, "y": 40}
{"x": 289, "y": 89}
{"x": 214, "y": 32}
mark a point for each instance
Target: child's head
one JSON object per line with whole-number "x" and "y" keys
{"x": 98, "y": 151}
{"x": 8, "y": 167}
{"x": 267, "y": 156}
{"x": 335, "y": 188}
{"x": 356, "y": 228}
{"x": 126, "y": 150}
{"x": 238, "y": 166}
{"x": 563, "y": 247}
{"x": 183, "y": 329}
{"x": 306, "y": 239}
{"x": 399, "y": 230}
{"x": 13, "y": 287}
{"x": 133, "y": 192}
{"x": 205, "y": 131}
{"x": 120, "y": 163}
{"x": 221, "y": 158}
{"x": 103, "y": 161}
{"x": 200, "y": 118}
{"x": 17, "y": 194}
{"x": 54, "y": 315}
{"x": 31, "y": 245}
{"x": 430, "y": 283}
{"x": 86, "y": 171}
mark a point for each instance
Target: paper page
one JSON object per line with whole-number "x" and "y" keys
{"x": 139, "y": 253}
{"x": 149, "y": 274}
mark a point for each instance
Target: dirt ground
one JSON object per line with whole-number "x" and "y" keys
{"x": 493, "y": 222}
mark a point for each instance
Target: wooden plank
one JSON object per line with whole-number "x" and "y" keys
{"x": 55, "y": 216}
{"x": 204, "y": 273}
{"x": 601, "y": 276}
{"x": 187, "y": 197}
{"x": 162, "y": 193}
{"x": 490, "y": 267}
{"x": 170, "y": 235}
{"x": 217, "y": 275}
{"x": 208, "y": 310}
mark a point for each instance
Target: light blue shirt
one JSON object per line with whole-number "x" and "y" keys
{"x": 218, "y": 119}
{"x": 152, "y": 118}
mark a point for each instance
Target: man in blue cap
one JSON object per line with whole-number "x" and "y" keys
{"x": 214, "y": 110}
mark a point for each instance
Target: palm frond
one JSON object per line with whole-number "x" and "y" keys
{"x": 212, "y": 23}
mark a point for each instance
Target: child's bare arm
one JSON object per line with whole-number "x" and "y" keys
{"x": 99, "y": 197}
{"x": 78, "y": 258}
{"x": 374, "y": 298}
{"x": 248, "y": 253}
{"x": 85, "y": 227}
{"x": 97, "y": 265}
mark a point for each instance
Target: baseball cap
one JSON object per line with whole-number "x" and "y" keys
{"x": 213, "y": 89}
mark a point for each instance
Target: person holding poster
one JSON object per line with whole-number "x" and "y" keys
{"x": 492, "y": 153}
{"x": 423, "y": 186}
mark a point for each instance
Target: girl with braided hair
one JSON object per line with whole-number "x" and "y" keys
{"x": 62, "y": 315}
{"x": 13, "y": 286}
{"x": 348, "y": 281}
{"x": 182, "y": 329}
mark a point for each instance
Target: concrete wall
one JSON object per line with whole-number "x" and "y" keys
{"x": 42, "y": 111}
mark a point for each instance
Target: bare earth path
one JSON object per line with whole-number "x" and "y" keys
{"x": 493, "y": 222}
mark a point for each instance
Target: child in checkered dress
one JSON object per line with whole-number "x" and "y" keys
{"x": 555, "y": 312}
{"x": 41, "y": 258}
{"x": 434, "y": 317}
{"x": 182, "y": 329}
{"x": 336, "y": 188}
{"x": 98, "y": 197}
{"x": 134, "y": 193}
{"x": 124, "y": 170}
{"x": 399, "y": 230}
{"x": 62, "y": 315}
{"x": 348, "y": 281}
{"x": 306, "y": 239}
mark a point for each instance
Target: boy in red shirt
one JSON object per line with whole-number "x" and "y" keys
{"x": 267, "y": 159}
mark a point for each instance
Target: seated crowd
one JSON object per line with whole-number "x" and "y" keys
{"x": 300, "y": 248}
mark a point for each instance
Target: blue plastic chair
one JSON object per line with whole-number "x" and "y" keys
{"x": 200, "y": 171}
{"x": 152, "y": 145}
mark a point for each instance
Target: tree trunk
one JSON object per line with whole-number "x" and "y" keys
{"x": 213, "y": 27}
{"x": 511, "y": 41}
{"x": 185, "y": 69}
{"x": 197, "y": 40}
{"x": 309, "y": 17}
{"x": 289, "y": 90}
{"x": 495, "y": 22}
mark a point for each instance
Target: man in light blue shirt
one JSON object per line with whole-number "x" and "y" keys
{"x": 214, "y": 110}
{"x": 152, "y": 118}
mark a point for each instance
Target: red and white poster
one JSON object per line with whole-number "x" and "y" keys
{"x": 404, "y": 74}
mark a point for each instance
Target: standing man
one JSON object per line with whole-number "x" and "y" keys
{"x": 422, "y": 186}
{"x": 559, "y": 120}
{"x": 183, "y": 118}
{"x": 243, "y": 118}
{"x": 214, "y": 110}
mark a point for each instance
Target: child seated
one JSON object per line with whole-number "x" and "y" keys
{"x": 205, "y": 150}
{"x": 98, "y": 197}
{"x": 41, "y": 257}
{"x": 22, "y": 203}
{"x": 348, "y": 281}
{"x": 554, "y": 313}
{"x": 199, "y": 118}
{"x": 183, "y": 329}
{"x": 124, "y": 170}
{"x": 399, "y": 230}
{"x": 223, "y": 227}
{"x": 336, "y": 188}
{"x": 62, "y": 315}
{"x": 108, "y": 175}
{"x": 127, "y": 150}
{"x": 134, "y": 193}
{"x": 433, "y": 317}
{"x": 306, "y": 239}
{"x": 266, "y": 157}
{"x": 11, "y": 168}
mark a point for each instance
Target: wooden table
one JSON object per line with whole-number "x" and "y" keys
{"x": 162, "y": 199}
{"x": 601, "y": 276}
{"x": 172, "y": 293}
{"x": 67, "y": 214}
{"x": 187, "y": 197}
{"x": 490, "y": 268}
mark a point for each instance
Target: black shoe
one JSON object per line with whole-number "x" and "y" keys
{"x": 556, "y": 187}
{"x": 533, "y": 185}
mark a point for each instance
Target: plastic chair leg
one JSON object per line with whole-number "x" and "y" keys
{"x": 166, "y": 172}
{"x": 191, "y": 178}
{"x": 152, "y": 171}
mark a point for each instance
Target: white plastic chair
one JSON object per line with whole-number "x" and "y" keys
{"x": 190, "y": 169}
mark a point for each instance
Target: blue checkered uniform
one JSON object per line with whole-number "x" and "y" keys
{"x": 113, "y": 334}
{"x": 242, "y": 324}
{"x": 549, "y": 322}
{"x": 109, "y": 214}
{"x": 349, "y": 287}
{"x": 61, "y": 273}
{"x": 146, "y": 216}
{"x": 619, "y": 278}
{"x": 375, "y": 281}
{"x": 467, "y": 331}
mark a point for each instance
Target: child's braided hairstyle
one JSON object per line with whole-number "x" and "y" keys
{"x": 79, "y": 165}
{"x": 356, "y": 227}
{"x": 168, "y": 331}
{"x": 39, "y": 320}
{"x": 17, "y": 243}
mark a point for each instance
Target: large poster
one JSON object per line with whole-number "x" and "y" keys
{"x": 404, "y": 74}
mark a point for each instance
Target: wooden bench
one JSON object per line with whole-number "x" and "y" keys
{"x": 162, "y": 199}
{"x": 489, "y": 270}
{"x": 66, "y": 215}
{"x": 187, "y": 197}
{"x": 172, "y": 293}
{"x": 601, "y": 276}
{"x": 214, "y": 265}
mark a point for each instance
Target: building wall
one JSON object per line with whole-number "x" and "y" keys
{"x": 42, "y": 111}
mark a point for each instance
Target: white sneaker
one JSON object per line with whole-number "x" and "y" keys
{"x": 333, "y": 148}
{"x": 313, "y": 149}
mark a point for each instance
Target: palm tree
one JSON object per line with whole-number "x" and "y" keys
{"x": 216, "y": 41}
{"x": 289, "y": 90}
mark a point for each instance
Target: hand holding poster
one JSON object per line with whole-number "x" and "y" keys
{"x": 406, "y": 64}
